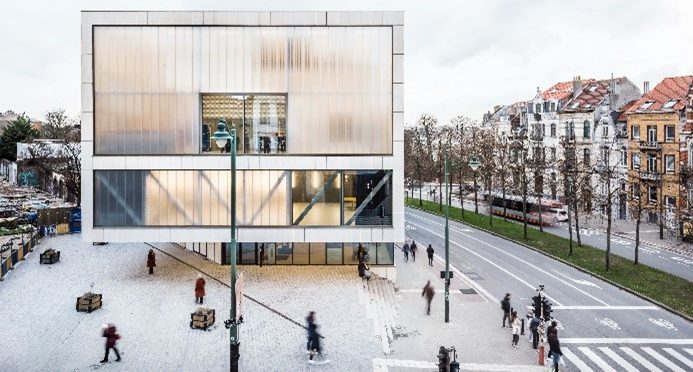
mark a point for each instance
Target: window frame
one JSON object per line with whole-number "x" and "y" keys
{"x": 586, "y": 129}
{"x": 666, "y": 134}
{"x": 635, "y": 164}
{"x": 650, "y": 189}
{"x": 633, "y": 130}
{"x": 673, "y": 163}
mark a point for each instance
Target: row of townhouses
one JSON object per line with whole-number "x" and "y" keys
{"x": 633, "y": 148}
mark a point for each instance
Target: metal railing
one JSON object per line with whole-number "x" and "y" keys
{"x": 11, "y": 253}
{"x": 650, "y": 176}
{"x": 647, "y": 145}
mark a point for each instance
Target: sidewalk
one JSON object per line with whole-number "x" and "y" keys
{"x": 474, "y": 328}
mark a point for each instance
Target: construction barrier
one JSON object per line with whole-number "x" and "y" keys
{"x": 11, "y": 258}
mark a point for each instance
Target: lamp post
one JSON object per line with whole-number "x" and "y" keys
{"x": 221, "y": 137}
{"x": 474, "y": 164}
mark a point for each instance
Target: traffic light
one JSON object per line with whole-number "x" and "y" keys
{"x": 536, "y": 306}
{"x": 546, "y": 307}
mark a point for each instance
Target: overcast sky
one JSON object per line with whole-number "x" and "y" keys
{"x": 461, "y": 57}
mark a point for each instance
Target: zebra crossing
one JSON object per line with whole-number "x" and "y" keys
{"x": 630, "y": 359}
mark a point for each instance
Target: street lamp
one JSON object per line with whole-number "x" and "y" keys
{"x": 221, "y": 137}
{"x": 447, "y": 240}
{"x": 475, "y": 164}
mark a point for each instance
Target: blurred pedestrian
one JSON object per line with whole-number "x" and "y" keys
{"x": 362, "y": 253}
{"x": 364, "y": 273}
{"x": 515, "y": 323}
{"x": 310, "y": 320}
{"x": 262, "y": 253}
{"x": 428, "y": 293}
{"x": 200, "y": 289}
{"x": 505, "y": 306}
{"x": 555, "y": 349}
{"x": 413, "y": 251}
{"x": 111, "y": 335}
{"x": 314, "y": 344}
{"x": 151, "y": 261}
{"x": 406, "y": 249}
{"x": 534, "y": 329}
{"x": 429, "y": 252}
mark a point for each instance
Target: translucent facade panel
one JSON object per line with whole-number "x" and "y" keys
{"x": 189, "y": 198}
{"x": 148, "y": 82}
{"x": 385, "y": 253}
{"x": 334, "y": 253}
{"x": 315, "y": 198}
{"x": 301, "y": 253}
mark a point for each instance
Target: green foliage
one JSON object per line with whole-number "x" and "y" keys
{"x": 18, "y": 131}
{"x": 666, "y": 288}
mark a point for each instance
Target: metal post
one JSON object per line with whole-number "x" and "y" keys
{"x": 447, "y": 245}
{"x": 233, "y": 334}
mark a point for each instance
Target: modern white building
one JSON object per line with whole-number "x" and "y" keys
{"x": 317, "y": 102}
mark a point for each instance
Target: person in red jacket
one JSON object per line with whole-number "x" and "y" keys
{"x": 199, "y": 289}
{"x": 151, "y": 261}
{"x": 111, "y": 334}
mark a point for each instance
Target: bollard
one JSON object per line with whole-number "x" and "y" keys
{"x": 522, "y": 326}
{"x": 454, "y": 366}
{"x": 540, "y": 352}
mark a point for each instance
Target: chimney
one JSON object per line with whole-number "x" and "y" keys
{"x": 645, "y": 87}
{"x": 577, "y": 85}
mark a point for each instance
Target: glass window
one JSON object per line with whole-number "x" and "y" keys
{"x": 652, "y": 194}
{"x": 334, "y": 253}
{"x": 671, "y": 201}
{"x": 317, "y": 253}
{"x": 385, "y": 253}
{"x": 605, "y": 130}
{"x": 636, "y": 161}
{"x": 260, "y": 122}
{"x": 283, "y": 253}
{"x": 367, "y": 198}
{"x": 669, "y": 133}
{"x": 670, "y": 160}
{"x": 247, "y": 253}
{"x": 651, "y": 163}
{"x": 268, "y": 251}
{"x": 315, "y": 197}
{"x": 635, "y": 132}
{"x": 301, "y": 253}
{"x": 624, "y": 156}
{"x": 350, "y": 249}
{"x": 651, "y": 133}
{"x": 586, "y": 129}
{"x": 586, "y": 156}
{"x": 553, "y": 130}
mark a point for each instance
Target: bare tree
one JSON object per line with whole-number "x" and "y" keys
{"x": 488, "y": 169}
{"x": 502, "y": 164}
{"x": 606, "y": 169}
{"x": 567, "y": 167}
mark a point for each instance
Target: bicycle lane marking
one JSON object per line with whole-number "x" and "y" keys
{"x": 523, "y": 261}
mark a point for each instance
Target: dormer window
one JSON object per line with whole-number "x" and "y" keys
{"x": 646, "y": 105}
{"x": 593, "y": 88}
{"x": 575, "y": 105}
{"x": 670, "y": 104}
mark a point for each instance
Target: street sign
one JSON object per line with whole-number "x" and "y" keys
{"x": 442, "y": 274}
{"x": 239, "y": 295}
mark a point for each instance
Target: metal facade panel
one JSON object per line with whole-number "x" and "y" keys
{"x": 351, "y": 18}
{"x": 237, "y": 18}
{"x": 298, "y": 18}
{"x": 175, "y": 18}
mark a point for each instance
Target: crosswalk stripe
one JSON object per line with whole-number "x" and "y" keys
{"x": 662, "y": 359}
{"x": 596, "y": 359}
{"x": 689, "y": 351}
{"x": 575, "y": 360}
{"x": 617, "y": 358}
{"x": 678, "y": 356}
{"x": 640, "y": 359}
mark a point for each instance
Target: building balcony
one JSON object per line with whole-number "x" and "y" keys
{"x": 538, "y": 137}
{"x": 651, "y": 176}
{"x": 646, "y": 145}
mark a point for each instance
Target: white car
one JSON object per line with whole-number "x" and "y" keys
{"x": 561, "y": 214}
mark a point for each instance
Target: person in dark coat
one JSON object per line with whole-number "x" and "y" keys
{"x": 362, "y": 253}
{"x": 151, "y": 261}
{"x": 552, "y": 328}
{"x": 505, "y": 306}
{"x": 555, "y": 349}
{"x": 314, "y": 343}
{"x": 406, "y": 249}
{"x": 364, "y": 272}
{"x": 534, "y": 328}
{"x": 200, "y": 289}
{"x": 310, "y": 321}
{"x": 428, "y": 292}
{"x": 413, "y": 250}
{"x": 111, "y": 335}
{"x": 429, "y": 252}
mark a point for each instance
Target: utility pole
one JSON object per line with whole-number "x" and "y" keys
{"x": 447, "y": 244}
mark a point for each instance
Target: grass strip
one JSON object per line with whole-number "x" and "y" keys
{"x": 670, "y": 290}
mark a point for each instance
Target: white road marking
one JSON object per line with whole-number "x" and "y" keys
{"x": 578, "y": 307}
{"x": 663, "y": 323}
{"x": 596, "y": 359}
{"x": 528, "y": 264}
{"x": 574, "y": 358}
{"x": 487, "y": 260}
{"x": 609, "y": 323}
{"x": 662, "y": 359}
{"x": 617, "y": 358}
{"x": 640, "y": 359}
{"x": 578, "y": 281}
{"x": 668, "y": 341}
{"x": 479, "y": 289}
{"x": 380, "y": 364}
{"x": 689, "y": 351}
{"x": 680, "y": 357}
{"x": 408, "y": 290}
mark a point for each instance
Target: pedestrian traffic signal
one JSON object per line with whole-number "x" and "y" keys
{"x": 546, "y": 308}
{"x": 536, "y": 306}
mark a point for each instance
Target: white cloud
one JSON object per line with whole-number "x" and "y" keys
{"x": 460, "y": 56}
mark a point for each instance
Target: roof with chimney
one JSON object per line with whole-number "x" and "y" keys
{"x": 624, "y": 110}
{"x": 561, "y": 90}
{"x": 592, "y": 95}
{"x": 671, "y": 94}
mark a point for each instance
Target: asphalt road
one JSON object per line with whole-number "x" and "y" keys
{"x": 649, "y": 255}
{"x": 601, "y": 326}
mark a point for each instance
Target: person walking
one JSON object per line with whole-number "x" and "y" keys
{"x": 413, "y": 251}
{"x": 111, "y": 335}
{"x": 552, "y": 328}
{"x": 534, "y": 329}
{"x": 314, "y": 343}
{"x": 406, "y": 249}
{"x": 310, "y": 320}
{"x": 428, "y": 293}
{"x": 515, "y": 323}
{"x": 200, "y": 289}
{"x": 505, "y": 306}
{"x": 151, "y": 261}
{"x": 429, "y": 252}
{"x": 555, "y": 349}
{"x": 362, "y": 253}
{"x": 262, "y": 253}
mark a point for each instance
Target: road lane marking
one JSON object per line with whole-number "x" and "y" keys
{"x": 668, "y": 341}
{"x": 609, "y": 323}
{"x": 617, "y": 358}
{"x": 664, "y": 323}
{"x": 662, "y": 359}
{"x": 577, "y": 307}
{"x": 578, "y": 281}
{"x": 640, "y": 359}
{"x": 689, "y": 351}
{"x": 380, "y": 364}
{"x": 680, "y": 357}
{"x": 521, "y": 260}
{"x": 574, "y": 358}
{"x": 596, "y": 359}
{"x": 487, "y": 260}
{"x": 481, "y": 290}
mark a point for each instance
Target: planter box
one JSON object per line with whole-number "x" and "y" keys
{"x": 202, "y": 321}
{"x": 88, "y": 304}
{"x": 49, "y": 257}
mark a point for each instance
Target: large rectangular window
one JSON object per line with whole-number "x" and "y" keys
{"x": 367, "y": 198}
{"x": 260, "y": 122}
{"x": 315, "y": 197}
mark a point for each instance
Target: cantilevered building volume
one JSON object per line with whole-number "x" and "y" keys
{"x": 316, "y": 98}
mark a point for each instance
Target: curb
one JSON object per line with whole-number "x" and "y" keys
{"x": 646, "y": 298}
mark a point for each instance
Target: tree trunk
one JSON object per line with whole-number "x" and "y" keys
{"x": 541, "y": 218}
{"x": 505, "y": 209}
{"x": 490, "y": 206}
{"x": 524, "y": 205}
{"x": 476, "y": 201}
{"x": 608, "y": 225}
{"x": 440, "y": 191}
{"x": 661, "y": 211}
{"x": 577, "y": 224}
{"x": 570, "y": 231}
{"x": 637, "y": 239}
{"x": 420, "y": 189}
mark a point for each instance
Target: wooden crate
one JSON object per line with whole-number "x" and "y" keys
{"x": 202, "y": 321}
{"x": 88, "y": 304}
{"x": 49, "y": 257}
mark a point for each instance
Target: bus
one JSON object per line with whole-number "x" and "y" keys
{"x": 552, "y": 211}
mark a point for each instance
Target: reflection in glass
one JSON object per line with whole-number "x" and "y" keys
{"x": 317, "y": 253}
{"x": 301, "y": 253}
{"x": 283, "y": 254}
{"x": 334, "y": 253}
{"x": 367, "y": 198}
{"x": 385, "y": 253}
{"x": 350, "y": 250}
{"x": 315, "y": 197}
